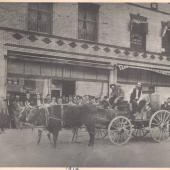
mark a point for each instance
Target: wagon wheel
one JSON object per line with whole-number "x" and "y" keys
{"x": 139, "y": 132}
{"x": 100, "y": 133}
{"x": 120, "y": 130}
{"x": 159, "y": 125}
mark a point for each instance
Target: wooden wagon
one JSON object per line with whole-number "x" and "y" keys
{"x": 120, "y": 126}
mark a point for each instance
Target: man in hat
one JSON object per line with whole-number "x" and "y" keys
{"x": 116, "y": 95}
{"x": 135, "y": 97}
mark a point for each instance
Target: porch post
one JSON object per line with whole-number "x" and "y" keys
{"x": 3, "y": 72}
{"x": 112, "y": 77}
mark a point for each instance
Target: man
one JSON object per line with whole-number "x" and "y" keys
{"x": 8, "y": 102}
{"x": 166, "y": 105}
{"x": 135, "y": 97}
{"x": 28, "y": 100}
{"x": 105, "y": 102}
{"x": 116, "y": 95}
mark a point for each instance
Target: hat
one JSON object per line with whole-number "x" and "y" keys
{"x": 139, "y": 83}
{"x": 112, "y": 85}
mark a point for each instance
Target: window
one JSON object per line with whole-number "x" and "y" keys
{"x": 40, "y": 17}
{"x": 166, "y": 38}
{"x": 138, "y": 31}
{"x": 154, "y": 6}
{"x": 88, "y": 21}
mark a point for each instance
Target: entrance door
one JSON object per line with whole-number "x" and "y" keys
{"x": 55, "y": 93}
{"x": 68, "y": 88}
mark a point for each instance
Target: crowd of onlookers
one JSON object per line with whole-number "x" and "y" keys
{"x": 139, "y": 102}
{"x": 15, "y": 103}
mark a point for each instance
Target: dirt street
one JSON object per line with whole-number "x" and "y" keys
{"x": 19, "y": 148}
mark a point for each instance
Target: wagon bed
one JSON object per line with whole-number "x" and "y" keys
{"x": 120, "y": 126}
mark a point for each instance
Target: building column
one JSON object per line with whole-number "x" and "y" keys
{"x": 112, "y": 77}
{"x": 3, "y": 72}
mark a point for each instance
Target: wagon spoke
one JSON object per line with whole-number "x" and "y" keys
{"x": 158, "y": 117}
{"x": 164, "y": 116}
{"x": 157, "y": 120}
{"x": 155, "y": 124}
{"x": 167, "y": 118}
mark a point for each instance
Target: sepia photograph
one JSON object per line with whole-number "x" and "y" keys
{"x": 84, "y": 84}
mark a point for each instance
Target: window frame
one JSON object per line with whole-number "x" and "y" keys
{"x": 166, "y": 52}
{"x": 154, "y": 6}
{"x": 141, "y": 20}
{"x": 95, "y": 23}
{"x": 37, "y": 9}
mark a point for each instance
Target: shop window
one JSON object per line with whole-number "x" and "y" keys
{"x": 40, "y": 17}
{"x": 138, "y": 32}
{"x": 88, "y": 21}
{"x": 166, "y": 38}
{"x": 68, "y": 88}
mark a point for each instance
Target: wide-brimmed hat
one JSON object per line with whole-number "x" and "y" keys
{"x": 139, "y": 84}
{"x": 113, "y": 84}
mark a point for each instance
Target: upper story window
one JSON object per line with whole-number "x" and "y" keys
{"x": 40, "y": 17}
{"x": 138, "y": 32}
{"x": 88, "y": 21}
{"x": 166, "y": 38}
{"x": 154, "y": 6}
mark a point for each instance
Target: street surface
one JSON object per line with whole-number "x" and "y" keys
{"x": 19, "y": 148}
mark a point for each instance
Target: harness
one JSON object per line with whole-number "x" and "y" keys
{"x": 48, "y": 116}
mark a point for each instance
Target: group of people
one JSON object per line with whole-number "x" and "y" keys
{"x": 137, "y": 101}
{"x": 16, "y": 103}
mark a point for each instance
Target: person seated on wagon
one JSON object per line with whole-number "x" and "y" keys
{"x": 116, "y": 95}
{"x": 135, "y": 97}
{"x": 143, "y": 107}
{"x": 105, "y": 102}
{"x": 166, "y": 105}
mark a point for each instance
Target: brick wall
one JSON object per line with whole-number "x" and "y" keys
{"x": 65, "y": 19}
{"x": 13, "y": 15}
{"x": 113, "y": 23}
{"x": 114, "y": 20}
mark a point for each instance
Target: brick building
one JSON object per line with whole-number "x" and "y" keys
{"x": 66, "y": 49}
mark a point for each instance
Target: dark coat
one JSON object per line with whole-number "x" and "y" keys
{"x": 134, "y": 94}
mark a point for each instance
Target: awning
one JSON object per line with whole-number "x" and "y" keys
{"x": 59, "y": 60}
{"x": 123, "y": 67}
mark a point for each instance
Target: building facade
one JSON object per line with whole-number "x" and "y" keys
{"x": 79, "y": 49}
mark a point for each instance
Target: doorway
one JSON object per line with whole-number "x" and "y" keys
{"x": 55, "y": 93}
{"x": 68, "y": 88}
